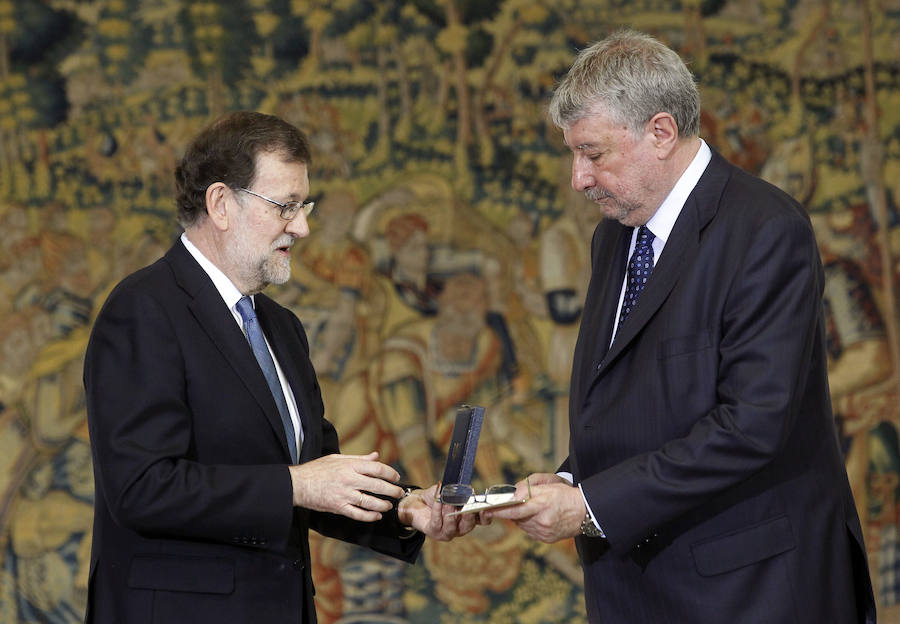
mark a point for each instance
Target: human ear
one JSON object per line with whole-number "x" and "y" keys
{"x": 664, "y": 132}
{"x": 217, "y": 195}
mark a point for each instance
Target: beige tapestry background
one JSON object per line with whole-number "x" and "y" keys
{"x": 448, "y": 258}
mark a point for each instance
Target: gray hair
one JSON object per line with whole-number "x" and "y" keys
{"x": 633, "y": 77}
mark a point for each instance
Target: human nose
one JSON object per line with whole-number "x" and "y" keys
{"x": 298, "y": 227}
{"x": 582, "y": 177}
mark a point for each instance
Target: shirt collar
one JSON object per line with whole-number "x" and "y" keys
{"x": 230, "y": 293}
{"x": 662, "y": 222}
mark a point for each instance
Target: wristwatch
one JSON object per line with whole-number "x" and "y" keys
{"x": 589, "y": 529}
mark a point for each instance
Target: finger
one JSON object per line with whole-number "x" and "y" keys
{"x": 449, "y": 527}
{"x": 427, "y": 496}
{"x": 373, "y": 456}
{"x": 438, "y": 516}
{"x": 515, "y": 512}
{"x": 363, "y": 515}
{"x": 378, "y": 486}
{"x": 379, "y": 470}
{"x": 541, "y": 478}
{"x": 467, "y": 522}
{"x": 373, "y": 503}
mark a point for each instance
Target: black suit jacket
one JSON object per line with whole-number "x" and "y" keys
{"x": 193, "y": 514}
{"x": 703, "y": 436}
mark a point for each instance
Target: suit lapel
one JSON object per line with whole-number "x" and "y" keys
{"x": 602, "y": 312}
{"x": 609, "y": 252}
{"x": 219, "y": 324}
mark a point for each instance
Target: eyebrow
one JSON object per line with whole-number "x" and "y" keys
{"x": 581, "y": 146}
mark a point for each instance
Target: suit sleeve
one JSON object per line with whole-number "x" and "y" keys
{"x": 141, "y": 434}
{"x": 767, "y": 335}
{"x": 387, "y": 536}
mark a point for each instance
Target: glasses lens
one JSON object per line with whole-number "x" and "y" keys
{"x": 308, "y": 208}
{"x": 501, "y": 489}
{"x": 290, "y": 210}
{"x": 456, "y": 493}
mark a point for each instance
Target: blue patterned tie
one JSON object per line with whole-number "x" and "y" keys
{"x": 267, "y": 364}
{"x": 639, "y": 269}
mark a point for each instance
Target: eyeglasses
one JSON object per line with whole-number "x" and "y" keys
{"x": 462, "y": 493}
{"x": 289, "y": 210}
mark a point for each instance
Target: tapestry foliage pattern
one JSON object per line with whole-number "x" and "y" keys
{"x": 448, "y": 258}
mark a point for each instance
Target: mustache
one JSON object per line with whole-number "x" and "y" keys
{"x": 287, "y": 241}
{"x": 597, "y": 193}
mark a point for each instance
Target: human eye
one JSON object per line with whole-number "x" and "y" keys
{"x": 290, "y": 209}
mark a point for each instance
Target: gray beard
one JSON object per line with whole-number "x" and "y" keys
{"x": 260, "y": 273}
{"x": 615, "y": 208}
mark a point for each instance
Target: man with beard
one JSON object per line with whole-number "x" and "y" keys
{"x": 212, "y": 456}
{"x": 704, "y": 482}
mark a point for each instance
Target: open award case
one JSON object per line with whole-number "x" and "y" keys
{"x": 461, "y": 462}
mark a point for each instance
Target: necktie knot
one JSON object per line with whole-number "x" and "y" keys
{"x": 245, "y": 309}
{"x": 645, "y": 236}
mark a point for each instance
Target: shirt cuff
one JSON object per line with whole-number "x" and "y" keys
{"x": 568, "y": 477}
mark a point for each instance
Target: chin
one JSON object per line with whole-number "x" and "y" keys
{"x": 278, "y": 279}
{"x": 277, "y": 272}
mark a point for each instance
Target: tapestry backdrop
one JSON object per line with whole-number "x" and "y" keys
{"x": 448, "y": 258}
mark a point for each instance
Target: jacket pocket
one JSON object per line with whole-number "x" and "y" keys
{"x": 211, "y": 575}
{"x": 742, "y": 548}
{"x": 684, "y": 344}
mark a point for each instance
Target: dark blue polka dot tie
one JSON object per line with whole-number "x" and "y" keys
{"x": 639, "y": 269}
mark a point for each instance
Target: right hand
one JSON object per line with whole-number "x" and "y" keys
{"x": 545, "y": 478}
{"x": 553, "y": 512}
{"x": 341, "y": 484}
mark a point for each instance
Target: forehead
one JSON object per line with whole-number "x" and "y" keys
{"x": 277, "y": 174}
{"x": 594, "y": 130}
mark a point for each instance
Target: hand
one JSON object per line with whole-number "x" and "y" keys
{"x": 553, "y": 513}
{"x": 542, "y": 478}
{"x": 421, "y": 511}
{"x": 344, "y": 484}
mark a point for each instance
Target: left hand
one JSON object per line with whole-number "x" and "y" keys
{"x": 421, "y": 511}
{"x": 553, "y": 513}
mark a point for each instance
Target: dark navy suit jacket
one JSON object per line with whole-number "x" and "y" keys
{"x": 703, "y": 436}
{"x": 193, "y": 515}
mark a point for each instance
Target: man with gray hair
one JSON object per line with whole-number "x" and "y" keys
{"x": 704, "y": 481}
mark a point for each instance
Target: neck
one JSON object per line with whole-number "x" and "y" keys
{"x": 683, "y": 155}
{"x": 212, "y": 245}
{"x": 208, "y": 244}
